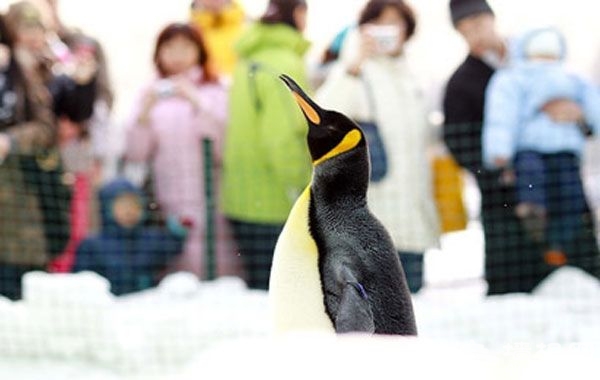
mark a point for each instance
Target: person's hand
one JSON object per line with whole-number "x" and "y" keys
{"x": 367, "y": 49}
{"x": 180, "y": 225}
{"x": 148, "y": 101}
{"x": 563, "y": 111}
{"x": 4, "y": 146}
{"x": 500, "y": 162}
{"x": 186, "y": 222}
{"x": 507, "y": 175}
{"x": 186, "y": 90}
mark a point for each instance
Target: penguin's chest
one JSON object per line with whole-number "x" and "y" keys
{"x": 295, "y": 291}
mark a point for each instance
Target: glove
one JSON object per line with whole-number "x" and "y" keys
{"x": 179, "y": 226}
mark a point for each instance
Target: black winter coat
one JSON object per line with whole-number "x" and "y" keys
{"x": 463, "y": 109}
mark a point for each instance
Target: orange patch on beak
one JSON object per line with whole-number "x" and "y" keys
{"x": 310, "y": 112}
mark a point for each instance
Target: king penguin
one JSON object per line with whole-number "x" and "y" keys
{"x": 335, "y": 267}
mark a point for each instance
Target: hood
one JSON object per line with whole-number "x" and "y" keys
{"x": 107, "y": 196}
{"x": 263, "y": 36}
{"x": 541, "y": 37}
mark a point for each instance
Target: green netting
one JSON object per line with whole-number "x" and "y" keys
{"x": 35, "y": 197}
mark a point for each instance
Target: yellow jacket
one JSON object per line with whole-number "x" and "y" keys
{"x": 221, "y": 31}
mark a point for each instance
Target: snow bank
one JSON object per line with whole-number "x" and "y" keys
{"x": 73, "y": 317}
{"x": 323, "y": 356}
{"x": 360, "y": 357}
{"x": 70, "y": 326}
{"x": 564, "y": 309}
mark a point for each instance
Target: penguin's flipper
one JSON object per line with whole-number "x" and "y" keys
{"x": 354, "y": 313}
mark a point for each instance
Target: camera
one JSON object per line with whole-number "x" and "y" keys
{"x": 387, "y": 37}
{"x": 164, "y": 88}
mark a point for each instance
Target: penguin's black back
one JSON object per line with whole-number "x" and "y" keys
{"x": 352, "y": 242}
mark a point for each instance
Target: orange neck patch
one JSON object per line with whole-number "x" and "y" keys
{"x": 349, "y": 141}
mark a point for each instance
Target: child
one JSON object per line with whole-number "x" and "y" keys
{"x": 544, "y": 153}
{"x": 130, "y": 255}
{"x": 184, "y": 106}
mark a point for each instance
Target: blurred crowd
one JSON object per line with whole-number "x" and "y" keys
{"x": 222, "y": 145}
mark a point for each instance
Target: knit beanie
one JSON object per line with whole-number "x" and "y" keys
{"x": 460, "y": 9}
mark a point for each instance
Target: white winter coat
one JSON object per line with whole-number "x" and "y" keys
{"x": 403, "y": 200}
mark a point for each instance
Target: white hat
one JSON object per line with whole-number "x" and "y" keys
{"x": 547, "y": 42}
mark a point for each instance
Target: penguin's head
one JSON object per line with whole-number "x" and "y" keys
{"x": 330, "y": 133}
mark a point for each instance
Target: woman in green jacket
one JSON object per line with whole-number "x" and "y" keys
{"x": 266, "y": 161}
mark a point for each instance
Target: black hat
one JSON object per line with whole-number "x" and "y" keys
{"x": 460, "y": 9}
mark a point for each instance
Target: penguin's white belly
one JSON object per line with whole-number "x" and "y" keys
{"x": 295, "y": 292}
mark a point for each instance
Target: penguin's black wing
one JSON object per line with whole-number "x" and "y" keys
{"x": 354, "y": 312}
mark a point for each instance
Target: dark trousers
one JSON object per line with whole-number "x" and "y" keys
{"x": 553, "y": 181}
{"x": 412, "y": 263}
{"x": 256, "y": 243}
{"x": 10, "y": 279}
{"x": 513, "y": 261}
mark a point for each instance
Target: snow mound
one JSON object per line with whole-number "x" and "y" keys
{"x": 563, "y": 283}
{"x": 564, "y": 309}
{"x": 349, "y": 357}
{"x": 74, "y": 317}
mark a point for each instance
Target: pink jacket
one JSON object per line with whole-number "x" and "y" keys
{"x": 172, "y": 143}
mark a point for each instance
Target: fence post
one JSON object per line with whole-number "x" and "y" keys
{"x": 210, "y": 241}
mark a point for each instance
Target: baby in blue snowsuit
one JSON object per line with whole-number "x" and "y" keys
{"x": 545, "y": 154}
{"x": 127, "y": 253}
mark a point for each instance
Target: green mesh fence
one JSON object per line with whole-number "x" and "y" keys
{"x": 522, "y": 248}
{"x": 153, "y": 327}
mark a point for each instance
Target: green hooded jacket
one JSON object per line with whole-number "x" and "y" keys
{"x": 266, "y": 160}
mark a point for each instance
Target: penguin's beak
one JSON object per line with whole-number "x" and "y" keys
{"x": 311, "y": 110}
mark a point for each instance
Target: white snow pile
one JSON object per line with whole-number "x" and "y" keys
{"x": 73, "y": 317}
{"x": 563, "y": 309}
{"x": 70, "y": 325}
{"x": 360, "y": 357}
{"x": 327, "y": 356}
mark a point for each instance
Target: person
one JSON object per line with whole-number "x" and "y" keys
{"x": 71, "y": 44}
{"x": 26, "y": 127}
{"x": 372, "y": 82}
{"x": 184, "y": 105}
{"x": 221, "y": 23}
{"x": 128, "y": 254}
{"x": 49, "y": 97}
{"x": 544, "y": 154}
{"x": 512, "y": 259}
{"x": 72, "y": 87}
{"x": 266, "y": 162}
{"x": 83, "y": 144}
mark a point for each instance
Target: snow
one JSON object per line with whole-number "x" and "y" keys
{"x": 564, "y": 309}
{"x": 70, "y": 326}
{"x": 74, "y": 318}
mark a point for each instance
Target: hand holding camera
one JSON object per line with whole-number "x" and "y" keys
{"x": 386, "y": 38}
{"x": 78, "y": 62}
{"x": 376, "y": 40}
{"x": 164, "y": 88}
